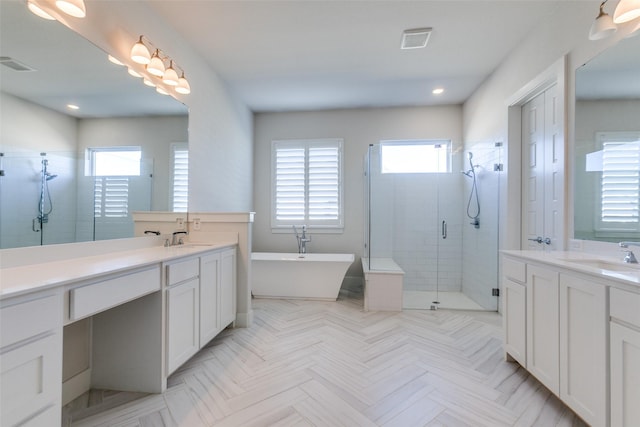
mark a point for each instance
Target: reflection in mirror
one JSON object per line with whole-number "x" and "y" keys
{"x": 607, "y": 145}
{"x": 52, "y": 185}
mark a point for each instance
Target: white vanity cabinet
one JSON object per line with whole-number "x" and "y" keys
{"x": 31, "y": 359}
{"x": 514, "y": 309}
{"x": 543, "y": 327}
{"x": 201, "y": 302}
{"x": 566, "y": 332}
{"x": 183, "y": 311}
{"x": 625, "y": 358}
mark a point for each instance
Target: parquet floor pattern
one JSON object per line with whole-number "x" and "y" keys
{"x": 305, "y": 363}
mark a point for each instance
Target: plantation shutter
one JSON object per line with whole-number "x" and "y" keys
{"x": 180, "y": 177}
{"x": 620, "y": 182}
{"x": 111, "y": 197}
{"x": 307, "y": 183}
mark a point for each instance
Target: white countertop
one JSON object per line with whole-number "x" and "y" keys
{"x": 611, "y": 268}
{"x": 39, "y": 276}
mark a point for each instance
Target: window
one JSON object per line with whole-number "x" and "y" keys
{"x": 307, "y": 184}
{"x": 179, "y": 176}
{"x": 620, "y": 182}
{"x": 415, "y": 156}
{"x": 111, "y": 168}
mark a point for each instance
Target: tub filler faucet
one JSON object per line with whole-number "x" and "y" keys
{"x": 302, "y": 239}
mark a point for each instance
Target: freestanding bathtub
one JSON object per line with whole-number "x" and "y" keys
{"x": 298, "y": 276}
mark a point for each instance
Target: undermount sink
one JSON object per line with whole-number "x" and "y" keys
{"x": 606, "y": 265}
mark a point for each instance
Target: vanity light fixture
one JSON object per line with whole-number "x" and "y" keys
{"x": 140, "y": 53}
{"x": 603, "y": 26}
{"x": 183, "y": 85}
{"x": 74, "y": 8}
{"x": 156, "y": 66}
{"x": 37, "y": 10}
{"x": 626, "y": 11}
{"x": 170, "y": 76}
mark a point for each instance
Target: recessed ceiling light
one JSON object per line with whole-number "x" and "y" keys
{"x": 416, "y": 38}
{"x": 73, "y": 107}
{"x": 437, "y": 91}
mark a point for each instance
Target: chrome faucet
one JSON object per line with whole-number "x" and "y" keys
{"x": 629, "y": 258}
{"x": 176, "y": 240}
{"x": 302, "y": 239}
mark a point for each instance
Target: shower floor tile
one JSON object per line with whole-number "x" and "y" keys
{"x": 421, "y": 300}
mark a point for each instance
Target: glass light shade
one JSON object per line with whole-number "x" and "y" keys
{"x": 114, "y": 60}
{"x": 140, "y": 53}
{"x": 602, "y": 27}
{"x": 148, "y": 82}
{"x": 134, "y": 73}
{"x": 183, "y": 86}
{"x": 156, "y": 66}
{"x": 34, "y": 8}
{"x": 161, "y": 91}
{"x": 626, "y": 11}
{"x": 170, "y": 76}
{"x": 74, "y": 8}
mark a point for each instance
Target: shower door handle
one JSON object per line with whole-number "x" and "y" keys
{"x": 444, "y": 229}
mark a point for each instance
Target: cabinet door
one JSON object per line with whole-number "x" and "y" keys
{"x": 625, "y": 376}
{"x": 183, "y": 320}
{"x": 583, "y": 348}
{"x": 514, "y": 312}
{"x": 228, "y": 288}
{"x": 209, "y": 298}
{"x": 543, "y": 353}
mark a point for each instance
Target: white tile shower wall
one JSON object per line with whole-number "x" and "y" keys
{"x": 420, "y": 203}
{"x": 480, "y": 246}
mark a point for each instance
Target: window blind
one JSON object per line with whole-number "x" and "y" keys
{"x": 180, "y": 177}
{"x": 620, "y": 182}
{"x": 111, "y": 197}
{"x": 307, "y": 183}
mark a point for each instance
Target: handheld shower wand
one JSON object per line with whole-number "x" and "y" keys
{"x": 471, "y": 173}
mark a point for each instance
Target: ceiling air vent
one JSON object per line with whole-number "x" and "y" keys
{"x": 415, "y": 39}
{"x": 7, "y": 61}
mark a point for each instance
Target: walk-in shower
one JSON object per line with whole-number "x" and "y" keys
{"x": 417, "y": 218}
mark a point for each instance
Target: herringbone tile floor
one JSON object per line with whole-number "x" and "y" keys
{"x": 307, "y": 363}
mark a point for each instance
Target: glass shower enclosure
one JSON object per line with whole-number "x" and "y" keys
{"x": 432, "y": 210}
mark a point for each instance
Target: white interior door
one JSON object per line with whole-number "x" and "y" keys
{"x": 542, "y": 172}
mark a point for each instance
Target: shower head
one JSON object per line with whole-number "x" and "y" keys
{"x": 50, "y": 176}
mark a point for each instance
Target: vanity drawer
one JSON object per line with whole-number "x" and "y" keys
{"x": 29, "y": 318}
{"x": 96, "y": 297}
{"x": 182, "y": 270}
{"x": 624, "y": 306}
{"x": 515, "y": 270}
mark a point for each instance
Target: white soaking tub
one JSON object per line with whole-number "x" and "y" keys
{"x": 298, "y": 276}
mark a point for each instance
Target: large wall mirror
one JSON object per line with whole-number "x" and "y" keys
{"x": 72, "y": 175}
{"x": 607, "y": 145}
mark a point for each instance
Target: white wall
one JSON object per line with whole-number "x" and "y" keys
{"x": 220, "y": 126}
{"x": 358, "y": 128}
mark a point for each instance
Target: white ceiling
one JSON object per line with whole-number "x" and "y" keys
{"x": 302, "y": 55}
{"x": 287, "y": 55}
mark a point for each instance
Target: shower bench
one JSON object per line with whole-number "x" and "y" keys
{"x": 382, "y": 285}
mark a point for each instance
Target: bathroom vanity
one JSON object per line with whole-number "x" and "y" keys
{"x": 572, "y": 320}
{"x": 150, "y": 310}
